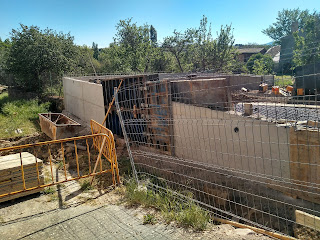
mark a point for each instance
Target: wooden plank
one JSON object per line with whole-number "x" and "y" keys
{"x": 12, "y": 187}
{"x": 305, "y": 164}
{"x": 307, "y": 220}
{"x": 17, "y": 174}
{"x": 12, "y": 161}
{"x": 10, "y": 197}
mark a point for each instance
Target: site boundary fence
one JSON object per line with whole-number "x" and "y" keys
{"x": 248, "y": 155}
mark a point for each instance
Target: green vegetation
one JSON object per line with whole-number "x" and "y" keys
{"x": 18, "y": 117}
{"x": 283, "y": 26}
{"x": 85, "y": 184}
{"x": 307, "y": 44}
{"x": 149, "y": 219}
{"x": 305, "y": 28}
{"x": 35, "y": 52}
{"x": 260, "y": 64}
{"x": 184, "y": 211}
{"x": 49, "y": 190}
{"x": 283, "y": 81}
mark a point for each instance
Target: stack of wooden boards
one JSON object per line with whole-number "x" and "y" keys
{"x": 11, "y": 175}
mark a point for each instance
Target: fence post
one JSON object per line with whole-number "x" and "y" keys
{"x": 125, "y": 135}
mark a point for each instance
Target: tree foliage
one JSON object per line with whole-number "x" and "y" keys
{"x": 260, "y": 64}
{"x": 95, "y": 50}
{"x": 307, "y": 42}
{"x": 286, "y": 19}
{"x": 178, "y": 45}
{"x": 196, "y": 49}
{"x": 4, "y": 51}
{"x": 35, "y": 51}
{"x": 153, "y": 36}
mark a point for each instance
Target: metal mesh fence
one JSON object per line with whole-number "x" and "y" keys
{"x": 246, "y": 152}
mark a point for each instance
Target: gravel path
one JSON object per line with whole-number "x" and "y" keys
{"x": 278, "y": 111}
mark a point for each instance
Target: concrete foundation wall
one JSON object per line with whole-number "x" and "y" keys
{"x": 246, "y": 81}
{"x": 230, "y": 141}
{"x": 83, "y": 99}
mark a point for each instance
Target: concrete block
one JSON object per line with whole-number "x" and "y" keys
{"x": 248, "y": 110}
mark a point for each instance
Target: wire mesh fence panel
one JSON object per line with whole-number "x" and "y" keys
{"x": 245, "y": 152}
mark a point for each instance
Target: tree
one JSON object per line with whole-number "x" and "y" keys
{"x": 307, "y": 42}
{"x": 135, "y": 48}
{"x": 178, "y": 44}
{"x": 95, "y": 50}
{"x": 260, "y": 64}
{"x": 153, "y": 36}
{"x": 35, "y": 52}
{"x": 259, "y": 67}
{"x": 4, "y": 51}
{"x": 201, "y": 50}
{"x": 85, "y": 63}
{"x": 286, "y": 19}
{"x": 222, "y": 51}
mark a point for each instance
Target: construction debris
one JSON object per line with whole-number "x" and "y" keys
{"x": 263, "y": 87}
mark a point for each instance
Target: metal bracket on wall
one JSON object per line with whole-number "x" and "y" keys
{"x": 125, "y": 135}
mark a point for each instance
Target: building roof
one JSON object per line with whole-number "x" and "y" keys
{"x": 273, "y": 51}
{"x": 250, "y": 50}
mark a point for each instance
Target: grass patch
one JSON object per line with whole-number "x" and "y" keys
{"x": 18, "y": 117}
{"x": 85, "y": 184}
{"x": 149, "y": 219}
{"x": 49, "y": 190}
{"x": 283, "y": 81}
{"x": 184, "y": 211}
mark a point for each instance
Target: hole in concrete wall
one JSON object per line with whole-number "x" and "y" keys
{"x": 236, "y": 129}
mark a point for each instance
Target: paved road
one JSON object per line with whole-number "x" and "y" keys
{"x": 85, "y": 222}
{"x": 107, "y": 222}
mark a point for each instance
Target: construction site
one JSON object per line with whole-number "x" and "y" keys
{"x": 239, "y": 147}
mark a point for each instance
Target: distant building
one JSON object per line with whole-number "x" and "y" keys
{"x": 246, "y": 53}
{"x": 274, "y": 52}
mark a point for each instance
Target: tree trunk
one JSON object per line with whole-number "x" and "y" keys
{"x": 178, "y": 60}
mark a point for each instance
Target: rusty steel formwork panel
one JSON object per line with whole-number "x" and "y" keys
{"x": 57, "y": 125}
{"x": 132, "y": 88}
{"x": 211, "y": 92}
{"x": 157, "y": 114}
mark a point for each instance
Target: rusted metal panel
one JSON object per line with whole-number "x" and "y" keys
{"x": 158, "y": 132}
{"x": 57, "y": 125}
{"x": 211, "y": 92}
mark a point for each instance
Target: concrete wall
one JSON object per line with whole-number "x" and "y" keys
{"x": 83, "y": 99}
{"x": 230, "y": 141}
{"x": 247, "y": 81}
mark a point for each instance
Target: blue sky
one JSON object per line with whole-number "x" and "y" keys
{"x": 95, "y": 20}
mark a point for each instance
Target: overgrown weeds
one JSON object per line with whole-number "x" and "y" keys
{"x": 283, "y": 81}
{"x": 18, "y": 117}
{"x": 173, "y": 207}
